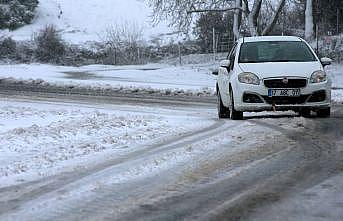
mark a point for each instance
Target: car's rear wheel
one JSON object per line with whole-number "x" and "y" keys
{"x": 326, "y": 112}
{"x": 223, "y": 112}
{"x": 305, "y": 112}
{"x": 234, "y": 115}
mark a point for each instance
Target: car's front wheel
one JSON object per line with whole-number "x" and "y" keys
{"x": 305, "y": 112}
{"x": 234, "y": 115}
{"x": 326, "y": 112}
{"x": 223, "y": 112}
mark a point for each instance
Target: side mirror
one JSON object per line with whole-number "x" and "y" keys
{"x": 325, "y": 61}
{"x": 215, "y": 72}
{"x": 225, "y": 63}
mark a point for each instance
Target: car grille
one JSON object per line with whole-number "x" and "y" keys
{"x": 286, "y": 100}
{"x": 292, "y": 83}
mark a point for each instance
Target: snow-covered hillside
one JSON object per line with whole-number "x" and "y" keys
{"x": 87, "y": 20}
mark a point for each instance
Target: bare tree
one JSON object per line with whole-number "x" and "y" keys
{"x": 309, "y": 27}
{"x": 124, "y": 42}
{"x": 180, "y": 12}
{"x": 50, "y": 46}
{"x": 252, "y": 16}
{"x": 274, "y": 18}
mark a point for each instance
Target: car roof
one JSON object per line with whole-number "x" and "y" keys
{"x": 269, "y": 38}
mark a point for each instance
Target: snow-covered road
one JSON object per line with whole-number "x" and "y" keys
{"x": 144, "y": 143}
{"x": 90, "y": 159}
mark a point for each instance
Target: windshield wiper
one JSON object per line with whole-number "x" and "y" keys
{"x": 249, "y": 61}
{"x": 290, "y": 61}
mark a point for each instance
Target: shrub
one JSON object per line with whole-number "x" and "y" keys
{"x": 7, "y": 48}
{"x": 50, "y": 46}
{"x": 25, "y": 52}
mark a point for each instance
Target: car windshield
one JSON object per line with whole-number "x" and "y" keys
{"x": 275, "y": 51}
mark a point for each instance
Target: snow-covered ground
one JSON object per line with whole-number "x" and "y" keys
{"x": 336, "y": 73}
{"x": 191, "y": 78}
{"x": 39, "y": 139}
{"x": 186, "y": 79}
{"x": 88, "y": 20}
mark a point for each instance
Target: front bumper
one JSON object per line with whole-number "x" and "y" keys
{"x": 311, "y": 97}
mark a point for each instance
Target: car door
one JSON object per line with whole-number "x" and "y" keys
{"x": 224, "y": 76}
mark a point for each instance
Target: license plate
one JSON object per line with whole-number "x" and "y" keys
{"x": 284, "y": 92}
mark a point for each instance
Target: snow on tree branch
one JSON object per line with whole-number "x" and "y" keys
{"x": 214, "y": 10}
{"x": 274, "y": 19}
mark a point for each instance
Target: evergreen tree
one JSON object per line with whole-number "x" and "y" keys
{"x": 16, "y": 13}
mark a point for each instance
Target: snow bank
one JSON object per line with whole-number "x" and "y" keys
{"x": 39, "y": 139}
{"x": 153, "y": 79}
{"x": 142, "y": 79}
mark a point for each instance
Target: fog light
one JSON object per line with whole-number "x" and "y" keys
{"x": 251, "y": 98}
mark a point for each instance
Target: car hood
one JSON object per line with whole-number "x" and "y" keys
{"x": 281, "y": 69}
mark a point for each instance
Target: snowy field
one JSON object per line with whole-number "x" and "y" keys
{"x": 187, "y": 79}
{"x": 87, "y": 20}
{"x": 39, "y": 139}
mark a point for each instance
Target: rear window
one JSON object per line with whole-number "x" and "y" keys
{"x": 275, "y": 51}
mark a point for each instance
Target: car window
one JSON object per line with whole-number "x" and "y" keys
{"x": 233, "y": 49}
{"x": 232, "y": 56}
{"x": 275, "y": 51}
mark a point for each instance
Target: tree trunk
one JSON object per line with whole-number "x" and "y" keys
{"x": 237, "y": 19}
{"x": 309, "y": 27}
{"x": 253, "y": 16}
{"x": 274, "y": 19}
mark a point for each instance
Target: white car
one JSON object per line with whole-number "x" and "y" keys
{"x": 273, "y": 73}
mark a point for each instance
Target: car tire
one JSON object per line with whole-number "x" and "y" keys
{"x": 305, "y": 112}
{"x": 223, "y": 112}
{"x": 324, "y": 113}
{"x": 234, "y": 115}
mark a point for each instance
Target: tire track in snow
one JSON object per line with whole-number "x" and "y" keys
{"x": 233, "y": 197}
{"x": 26, "y": 194}
{"x": 318, "y": 159}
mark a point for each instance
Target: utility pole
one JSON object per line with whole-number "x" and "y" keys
{"x": 337, "y": 31}
{"x": 214, "y": 45}
{"x": 115, "y": 56}
{"x": 138, "y": 55}
{"x": 283, "y": 21}
{"x": 317, "y": 29}
{"x": 317, "y": 39}
{"x": 180, "y": 57}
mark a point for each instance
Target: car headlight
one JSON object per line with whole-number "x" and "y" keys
{"x": 318, "y": 76}
{"x": 248, "y": 78}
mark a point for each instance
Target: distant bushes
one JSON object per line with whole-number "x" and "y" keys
{"x": 16, "y": 13}
{"x": 332, "y": 47}
{"x": 123, "y": 46}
